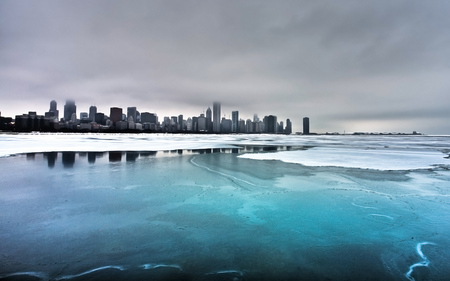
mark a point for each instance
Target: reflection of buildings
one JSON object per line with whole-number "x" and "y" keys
{"x": 132, "y": 156}
{"x": 115, "y": 156}
{"x": 51, "y": 158}
{"x": 68, "y": 159}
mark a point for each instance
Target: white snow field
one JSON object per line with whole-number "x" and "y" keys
{"x": 224, "y": 207}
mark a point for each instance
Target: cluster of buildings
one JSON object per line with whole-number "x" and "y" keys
{"x": 133, "y": 120}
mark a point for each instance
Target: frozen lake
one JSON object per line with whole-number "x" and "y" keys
{"x": 232, "y": 207}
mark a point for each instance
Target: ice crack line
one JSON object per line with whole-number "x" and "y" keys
{"x": 90, "y": 271}
{"x": 220, "y": 173}
{"x": 425, "y": 262}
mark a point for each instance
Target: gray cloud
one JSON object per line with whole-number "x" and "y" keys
{"x": 345, "y": 64}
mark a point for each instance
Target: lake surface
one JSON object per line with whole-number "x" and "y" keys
{"x": 162, "y": 207}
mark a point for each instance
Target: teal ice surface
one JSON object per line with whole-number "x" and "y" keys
{"x": 218, "y": 213}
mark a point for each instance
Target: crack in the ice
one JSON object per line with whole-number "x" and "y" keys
{"x": 230, "y": 177}
{"x": 424, "y": 262}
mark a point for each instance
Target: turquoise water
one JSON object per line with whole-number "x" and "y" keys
{"x": 210, "y": 215}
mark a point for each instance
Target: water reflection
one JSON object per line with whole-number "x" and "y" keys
{"x": 92, "y": 156}
{"x": 51, "y": 158}
{"x": 115, "y": 156}
{"x": 69, "y": 158}
{"x": 131, "y": 156}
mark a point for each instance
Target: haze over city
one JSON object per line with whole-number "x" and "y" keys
{"x": 379, "y": 66}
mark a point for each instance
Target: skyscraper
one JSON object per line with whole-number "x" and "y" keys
{"x": 132, "y": 112}
{"x": 209, "y": 124}
{"x": 69, "y": 109}
{"x": 115, "y": 114}
{"x": 306, "y": 126}
{"x": 216, "y": 115}
{"x": 92, "y": 112}
{"x": 235, "y": 121}
{"x": 53, "y": 112}
{"x": 270, "y": 123}
{"x": 288, "y": 129}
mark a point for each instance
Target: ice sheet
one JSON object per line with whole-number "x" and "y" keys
{"x": 217, "y": 216}
{"x": 380, "y": 159}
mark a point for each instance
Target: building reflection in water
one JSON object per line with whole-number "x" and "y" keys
{"x": 92, "y": 156}
{"x": 131, "y": 156}
{"x": 148, "y": 153}
{"x": 115, "y": 156}
{"x": 51, "y": 158}
{"x": 68, "y": 159}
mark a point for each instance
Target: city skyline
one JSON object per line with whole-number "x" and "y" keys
{"x": 377, "y": 66}
{"x": 119, "y": 119}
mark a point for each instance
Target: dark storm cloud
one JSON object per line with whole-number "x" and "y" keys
{"x": 336, "y": 61}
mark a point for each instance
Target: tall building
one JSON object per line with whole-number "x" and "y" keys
{"x": 306, "y": 126}
{"x": 115, "y": 114}
{"x": 226, "y": 125}
{"x": 270, "y": 123}
{"x": 201, "y": 123}
{"x": 132, "y": 112}
{"x": 288, "y": 129}
{"x": 69, "y": 109}
{"x": 209, "y": 124}
{"x": 180, "y": 123}
{"x": 235, "y": 121}
{"x": 216, "y": 117}
{"x": 92, "y": 112}
{"x": 52, "y": 112}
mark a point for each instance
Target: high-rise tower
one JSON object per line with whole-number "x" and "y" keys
{"x": 306, "y": 126}
{"x": 115, "y": 114}
{"x": 69, "y": 109}
{"x": 53, "y": 112}
{"x": 209, "y": 124}
{"x": 132, "y": 112}
{"x": 216, "y": 116}
{"x": 235, "y": 121}
{"x": 92, "y": 112}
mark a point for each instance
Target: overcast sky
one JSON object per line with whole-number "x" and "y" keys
{"x": 380, "y": 66}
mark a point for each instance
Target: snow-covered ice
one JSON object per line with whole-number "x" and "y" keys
{"x": 232, "y": 207}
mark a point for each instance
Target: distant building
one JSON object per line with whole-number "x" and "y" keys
{"x": 235, "y": 121}
{"x": 201, "y": 123}
{"x": 92, "y": 112}
{"x": 100, "y": 118}
{"x": 52, "y": 112}
{"x": 216, "y": 117}
{"x": 242, "y": 126}
{"x": 180, "y": 123}
{"x": 147, "y": 117}
{"x": 69, "y": 109}
{"x": 226, "y": 126}
{"x": 306, "y": 126}
{"x": 249, "y": 126}
{"x": 288, "y": 129}
{"x": 132, "y": 112}
{"x": 115, "y": 114}
{"x": 209, "y": 124}
{"x": 270, "y": 123}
